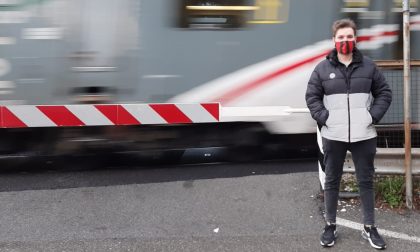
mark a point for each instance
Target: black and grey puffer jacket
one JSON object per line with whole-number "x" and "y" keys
{"x": 347, "y": 101}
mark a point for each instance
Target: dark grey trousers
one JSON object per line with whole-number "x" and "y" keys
{"x": 363, "y": 154}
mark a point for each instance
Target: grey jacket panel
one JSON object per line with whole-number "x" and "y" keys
{"x": 347, "y": 101}
{"x": 342, "y": 121}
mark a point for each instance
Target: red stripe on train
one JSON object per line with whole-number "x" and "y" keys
{"x": 235, "y": 93}
{"x": 371, "y": 37}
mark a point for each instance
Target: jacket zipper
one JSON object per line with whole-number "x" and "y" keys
{"x": 349, "y": 71}
{"x": 346, "y": 74}
{"x": 348, "y": 104}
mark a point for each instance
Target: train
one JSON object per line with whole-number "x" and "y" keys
{"x": 253, "y": 57}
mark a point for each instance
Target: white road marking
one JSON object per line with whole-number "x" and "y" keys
{"x": 358, "y": 226}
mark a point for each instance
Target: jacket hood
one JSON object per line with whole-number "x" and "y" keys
{"x": 332, "y": 57}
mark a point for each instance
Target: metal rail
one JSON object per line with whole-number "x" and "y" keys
{"x": 389, "y": 161}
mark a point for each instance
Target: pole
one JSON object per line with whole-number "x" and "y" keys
{"x": 407, "y": 109}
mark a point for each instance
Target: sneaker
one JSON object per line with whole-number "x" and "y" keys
{"x": 329, "y": 235}
{"x": 371, "y": 234}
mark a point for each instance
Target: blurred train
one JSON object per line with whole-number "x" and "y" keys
{"x": 248, "y": 54}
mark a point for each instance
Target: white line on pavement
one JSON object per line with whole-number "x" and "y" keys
{"x": 358, "y": 226}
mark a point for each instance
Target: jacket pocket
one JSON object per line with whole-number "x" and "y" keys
{"x": 360, "y": 116}
{"x": 337, "y": 118}
{"x": 372, "y": 122}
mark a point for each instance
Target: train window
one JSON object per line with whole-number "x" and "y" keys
{"x": 219, "y": 14}
{"x": 398, "y": 6}
{"x": 271, "y": 12}
{"x": 355, "y": 5}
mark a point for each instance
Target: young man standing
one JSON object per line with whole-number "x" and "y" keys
{"x": 347, "y": 95}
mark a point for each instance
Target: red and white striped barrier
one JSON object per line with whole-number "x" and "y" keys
{"x": 20, "y": 116}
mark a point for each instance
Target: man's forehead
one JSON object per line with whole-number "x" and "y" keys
{"x": 345, "y": 31}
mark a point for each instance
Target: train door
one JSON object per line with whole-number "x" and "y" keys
{"x": 102, "y": 47}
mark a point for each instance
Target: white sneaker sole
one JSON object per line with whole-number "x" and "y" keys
{"x": 328, "y": 245}
{"x": 366, "y": 237}
{"x": 332, "y": 243}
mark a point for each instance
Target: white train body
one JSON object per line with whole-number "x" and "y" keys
{"x": 254, "y": 57}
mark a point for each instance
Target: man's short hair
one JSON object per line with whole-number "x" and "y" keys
{"x": 343, "y": 23}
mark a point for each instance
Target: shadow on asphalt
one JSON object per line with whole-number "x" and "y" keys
{"x": 88, "y": 172}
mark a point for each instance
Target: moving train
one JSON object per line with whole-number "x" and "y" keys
{"x": 253, "y": 57}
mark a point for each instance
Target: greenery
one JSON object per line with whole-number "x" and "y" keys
{"x": 388, "y": 189}
{"x": 391, "y": 190}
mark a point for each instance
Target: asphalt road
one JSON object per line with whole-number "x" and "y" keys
{"x": 265, "y": 206}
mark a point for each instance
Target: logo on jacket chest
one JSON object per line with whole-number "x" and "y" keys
{"x": 332, "y": 75}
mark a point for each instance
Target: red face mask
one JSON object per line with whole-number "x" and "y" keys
{"x": 345, "y": 47}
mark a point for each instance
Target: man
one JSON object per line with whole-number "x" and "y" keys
{"x": 347, "y": 95}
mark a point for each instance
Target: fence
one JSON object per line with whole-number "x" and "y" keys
{"x": 391, "y": 128}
